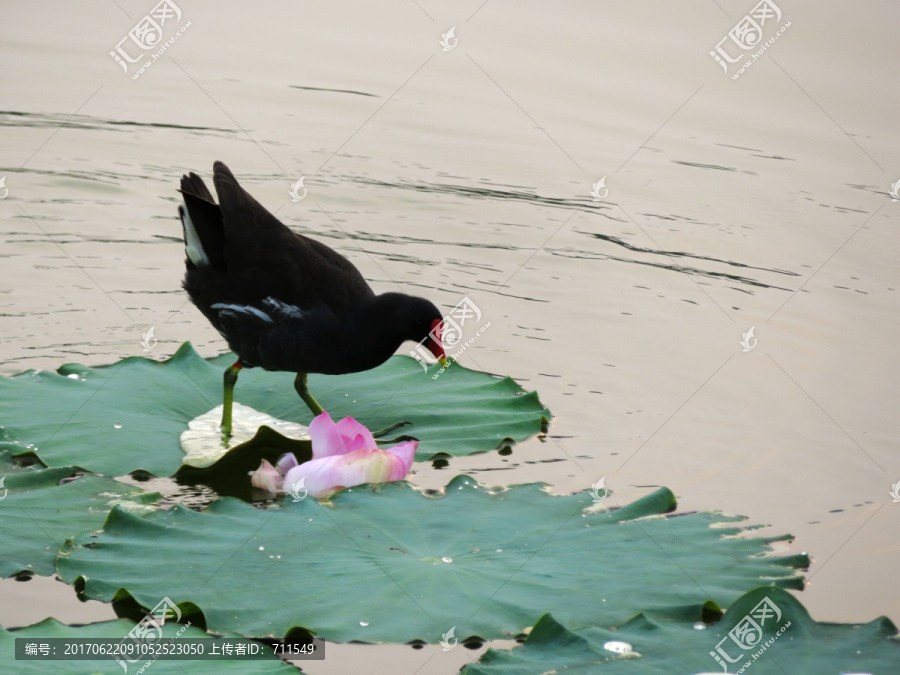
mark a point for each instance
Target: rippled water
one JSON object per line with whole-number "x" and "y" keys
{"x": 759, "y": 202}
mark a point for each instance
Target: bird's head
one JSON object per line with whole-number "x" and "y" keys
{"x": 416, "y": 319}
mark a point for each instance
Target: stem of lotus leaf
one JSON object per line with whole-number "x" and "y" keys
{"x": 381, "y": 433}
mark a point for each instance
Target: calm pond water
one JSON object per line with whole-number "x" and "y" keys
{"x": 466, "y": 169}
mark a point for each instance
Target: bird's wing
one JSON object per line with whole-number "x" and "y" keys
{"x": 266, "y": 259}
{"x": 277, "y": 336}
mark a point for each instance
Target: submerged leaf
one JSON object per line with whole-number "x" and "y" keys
{"x": 203, "y": 443}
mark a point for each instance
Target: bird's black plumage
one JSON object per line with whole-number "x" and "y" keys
{"x": 284, "y": 301}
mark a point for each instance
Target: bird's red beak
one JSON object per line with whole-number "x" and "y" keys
{"x": 434, "y": 344}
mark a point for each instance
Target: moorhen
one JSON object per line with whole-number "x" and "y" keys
{"x": 283, "y": 301}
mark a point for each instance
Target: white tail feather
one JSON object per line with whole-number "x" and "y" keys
{"x": 192, "y": 245}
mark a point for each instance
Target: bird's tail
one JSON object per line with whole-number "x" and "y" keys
{"x": 201, "y": 221}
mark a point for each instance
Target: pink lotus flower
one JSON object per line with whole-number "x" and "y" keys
{"x": 344, "y": 455}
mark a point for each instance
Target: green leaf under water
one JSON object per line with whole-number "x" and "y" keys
{"x": 37, "y": 515}
{"x": 128, "y": 416}
{"x": 804, "y": 646}
{"x": 115, "y": 630}
{"x": 389, "y": 564}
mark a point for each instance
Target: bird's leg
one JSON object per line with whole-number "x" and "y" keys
{"x": 230, "y": 378}
{"x": 313, "y": 404}
{"x": 300, "y": 386}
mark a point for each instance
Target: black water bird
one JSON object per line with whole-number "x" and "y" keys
{"x": 286, "y": 302}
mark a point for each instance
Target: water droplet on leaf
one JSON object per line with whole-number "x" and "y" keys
{"x": 617, "y": 646}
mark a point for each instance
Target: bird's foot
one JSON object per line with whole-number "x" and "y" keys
{"x": 383, "y": 432}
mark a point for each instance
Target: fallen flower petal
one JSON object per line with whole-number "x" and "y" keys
{"x": 344, "y": 454}
{"x": 267, "y": 477}
{"x": 327, "y": 475}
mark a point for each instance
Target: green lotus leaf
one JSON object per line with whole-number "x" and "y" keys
{"x": 115, "y": 630}
{"x": 785, "y": 640}
{"x": 129, "y": 416}
{"x": 388, "y": 563}
{"x": 37, "y": 515}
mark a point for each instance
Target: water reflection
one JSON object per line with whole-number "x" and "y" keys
{"x": 672, "y": 266}
{"x": 495, "y": 193}
{"x": 521, "y": 194}
{"x": 334, "y": 91}
{"x": 15, "y": 118}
